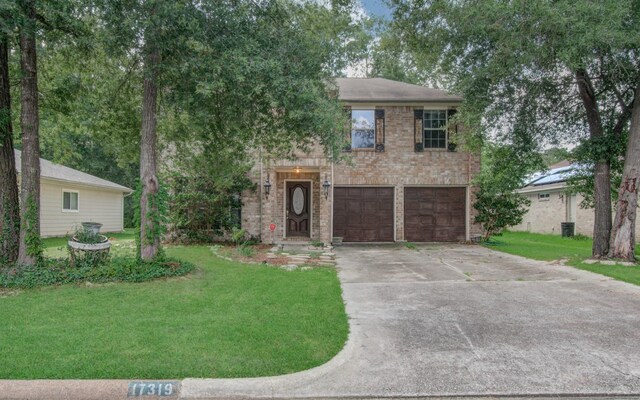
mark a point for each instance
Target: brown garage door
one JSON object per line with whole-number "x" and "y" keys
{"x": 363, "y": 214}
{"x": 434, "y": 214}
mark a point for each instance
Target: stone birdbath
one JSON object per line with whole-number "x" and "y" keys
{"x": 90, "y": 243}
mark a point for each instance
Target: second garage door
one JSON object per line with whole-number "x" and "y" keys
{"x": 363, "y": 214}
{"x": 434, "y": 214}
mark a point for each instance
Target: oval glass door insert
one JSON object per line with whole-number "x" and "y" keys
{"x": 298, "y": 200}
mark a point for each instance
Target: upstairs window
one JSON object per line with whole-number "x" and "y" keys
{"x": 363, "y": 129}
{"x": 543, "y": 196}
{"x": 70, "y": 201}
{"x": 431, "y": 129}
{"x": 435, "y": 129}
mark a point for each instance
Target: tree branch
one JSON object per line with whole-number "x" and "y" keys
{"x": 623, "y": 118}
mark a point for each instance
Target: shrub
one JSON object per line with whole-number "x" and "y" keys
{"x": 86, "y": 236}
{"x": 238, "y": 236}
{"x": 497, "y": 211}
{"x": 119, "y": 269}
{"x": 504, "y": 170}
{"x": 246, "y": 251}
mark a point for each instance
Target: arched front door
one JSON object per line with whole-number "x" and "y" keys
{"x": 297, "y": 211}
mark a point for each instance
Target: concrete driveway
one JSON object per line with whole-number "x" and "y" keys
{"x": 464, "y": 320}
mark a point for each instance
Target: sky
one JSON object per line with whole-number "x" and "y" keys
{"x": 377, "y": 8}
{"x": 372, "y": 8}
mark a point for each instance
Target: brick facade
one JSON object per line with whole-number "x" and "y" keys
{"x": 398, "y": 166}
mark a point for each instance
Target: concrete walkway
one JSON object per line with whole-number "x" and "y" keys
{"x": 462, "y": 320}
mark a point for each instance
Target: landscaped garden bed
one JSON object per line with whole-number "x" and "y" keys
{"x": 291, "y": 257}
{"x": 116, "y": 269}
{"x": 89, "y": 261}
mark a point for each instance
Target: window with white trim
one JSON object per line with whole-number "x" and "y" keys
{"x": 70, "y": 200}
{"x": 543, "y": 196}
{"x": 435, "y": 128}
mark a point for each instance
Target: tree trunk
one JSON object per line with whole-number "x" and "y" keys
{"x": 9, "y": 200}
{"x": 30, "y": 248}
{"x": 623, "y": 235}
{"x": 149, "y": 229}
{"x": 602, "y": 172}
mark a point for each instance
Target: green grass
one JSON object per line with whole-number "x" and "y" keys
{"x": 553, "y": 247}
{"x": 227, "y": 319}
{"x": 541, "y": 247}
{"x": 409, "y": 245}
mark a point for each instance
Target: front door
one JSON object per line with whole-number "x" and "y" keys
{"x": 297, "y": 211}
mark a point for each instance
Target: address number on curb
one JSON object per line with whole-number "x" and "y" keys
{"x": 157, "y": 389}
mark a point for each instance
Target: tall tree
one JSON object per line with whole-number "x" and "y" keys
{"x": 554, "y": 155}
{"x": 30, "y": 249}
{"x": 150, "y": 187}
{"x": 90, "y": 104}
{"x": 623, "y": 239}
{"x": 390, "y": 60}
{"x": 234, "y": 74}
{"x": 549, "y": 68}
{"x": 602, "y": 167}
{"x": 9, "y": 198}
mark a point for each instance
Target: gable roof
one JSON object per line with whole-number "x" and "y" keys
{"x": 49, "y": 170}
{"x": 386, "y": 90}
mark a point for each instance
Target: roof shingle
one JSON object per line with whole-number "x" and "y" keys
{"x": 385, "y": 90}
{"x": 49, "y": 170}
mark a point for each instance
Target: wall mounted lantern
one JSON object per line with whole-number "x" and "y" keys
{"x": 267, "y": 188}
{"x": 325, "y": 187}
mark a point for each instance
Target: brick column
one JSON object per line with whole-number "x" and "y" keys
{"x": 326, "y": 206}
{"x": 399, "y": 212}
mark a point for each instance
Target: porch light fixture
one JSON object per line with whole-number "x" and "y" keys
{"x": 267, "y": 188}
{"x": 325, "y": 187}
{"x": 297, "y": 170}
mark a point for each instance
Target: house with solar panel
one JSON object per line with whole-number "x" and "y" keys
{"x": 552, "y": 206}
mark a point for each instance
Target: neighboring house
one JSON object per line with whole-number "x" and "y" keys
{"x": 69, "y": 197}
{"x": 551, "y": 204}
{"x": 403, "y": 183}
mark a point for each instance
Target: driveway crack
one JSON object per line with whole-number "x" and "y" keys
{"x": 456, "y": 269}
{"x": 473, "y": 348}
{"x": 614, "y": 367}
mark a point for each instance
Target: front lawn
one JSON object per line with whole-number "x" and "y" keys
{"x": 554, "y": 247}
{"x": 226, "y": 319}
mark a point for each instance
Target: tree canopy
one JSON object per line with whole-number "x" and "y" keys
{"x": 552, "y": 71}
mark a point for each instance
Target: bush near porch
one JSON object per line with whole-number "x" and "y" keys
{"x": 553, "y": 247}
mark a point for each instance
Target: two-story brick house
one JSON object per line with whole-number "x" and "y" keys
{"x": 404, "y": 182}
